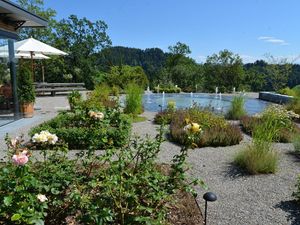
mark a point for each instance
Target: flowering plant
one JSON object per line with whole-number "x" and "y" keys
{"x": 96, "y": 115}
{"x": 21, "y": 158}
{"x": 192, "y": 128}
{"x": 17, "y": 152}
{"x": 45, "y": 137}
{"x": 19, "y": 188}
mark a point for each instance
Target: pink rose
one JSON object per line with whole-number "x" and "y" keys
{"x": 20, "y": 159}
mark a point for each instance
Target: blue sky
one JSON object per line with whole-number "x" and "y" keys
{"x": 250, "y": 28}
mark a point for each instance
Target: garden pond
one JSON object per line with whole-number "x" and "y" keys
{"x": 156, "y": 102}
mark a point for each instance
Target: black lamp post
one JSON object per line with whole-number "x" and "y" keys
{"x": 208, "y": 197}
{"x": 160, "y": 107}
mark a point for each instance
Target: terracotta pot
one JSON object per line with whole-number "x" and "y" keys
{"x": 27, "y": 109}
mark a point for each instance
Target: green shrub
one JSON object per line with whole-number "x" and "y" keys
{"x": 123, "y": 75}
{"x": 236, "y": 110}
{"x": 296, "y": 143}
{"x": 294, "y": 105}
{"x": 296, "y": 194}
{"x": 19, "y": 189}
{"x": 115, "y": 91}
{"x": 281, "y": 119}
{"x": 259, "y": 156}
{"x": 296, "y": 90}
{"x": 75, "y": 99}
{"x": 134, "y": 100}
{"x": 256, "y": 160}
{"x": 287, "y": 91}
{"x": 171, "y": 107}
{"x": 26, "y": 91}
{"x": 167, "y": 89}
{"x": 215, "y": 130}
{"x": 164, "y": 117}
{"x": 100, "y": 98}
{"x": 248, "y": 123}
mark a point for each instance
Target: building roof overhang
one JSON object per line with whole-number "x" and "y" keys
{"x": 13, "y": 17}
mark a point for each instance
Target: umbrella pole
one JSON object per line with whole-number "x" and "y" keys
{"x": 43, "y": 72}
{"x": 32, "y": 69}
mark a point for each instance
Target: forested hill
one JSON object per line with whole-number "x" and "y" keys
{"x": 151, "y": 59}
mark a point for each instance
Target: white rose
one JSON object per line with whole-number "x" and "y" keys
{"x": 42, "y": 198}
{"x": 52, "y": 139}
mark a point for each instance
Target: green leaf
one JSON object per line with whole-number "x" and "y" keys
{"x": 7, "y": 200}
{"x": 38, "y": 222}
{"x": 54, "y": 191}
{"x": 16, "y": 217}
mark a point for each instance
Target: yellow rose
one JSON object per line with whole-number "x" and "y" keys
{"x": 195, "y": 127}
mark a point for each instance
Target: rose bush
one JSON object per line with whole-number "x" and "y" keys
{"x": 122, "y": 186}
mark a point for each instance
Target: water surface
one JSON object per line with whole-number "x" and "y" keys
{"x": 156, "y": 102}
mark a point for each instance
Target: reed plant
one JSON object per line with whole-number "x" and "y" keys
{"x": 296, "y": 143}
{"x": 260, "y": 157}
{"x": 236, "y": 110}
{"x": 134, "y": 100}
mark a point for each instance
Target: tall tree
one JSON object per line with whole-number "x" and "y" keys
{"x": 180, "y": 49}
{"x": 187, "y": 74}
{"x": 42, "y": 34}
{"x": 123, "y": 75}
{"x": 152, "y": 59}
{"x": 278, "y": 71}
{"x": 182, "y": 70}
{"x": 255, "y": 75}
{"x": 223, "y": 70}
{"x": 82, "y": 38}
{"x": 177, "y": 51}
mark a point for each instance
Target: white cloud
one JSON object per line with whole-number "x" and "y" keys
{"x": 264, "y": 38}
{"x": 273, "y": 40}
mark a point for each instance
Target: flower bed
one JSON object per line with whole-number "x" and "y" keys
{"x": 215, "y": 130}
{"x": 83, "y": 128}
{"x": 282, "y": 119}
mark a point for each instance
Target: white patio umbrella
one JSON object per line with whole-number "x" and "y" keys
{"x": 32, "y": 46}
{"x": 24, "y": 55}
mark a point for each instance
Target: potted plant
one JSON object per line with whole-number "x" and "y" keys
{"x": 26, "y": 92}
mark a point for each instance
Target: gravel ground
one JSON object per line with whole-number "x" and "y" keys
{"x": 242, "y": 199}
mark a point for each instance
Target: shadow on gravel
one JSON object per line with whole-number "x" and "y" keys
{"x": 234, "y": 172}
{"x": 296, "y": 156}
{"x": 293, "y": 210}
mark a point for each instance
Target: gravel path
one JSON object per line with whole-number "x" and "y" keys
{"x": 242, "y": 199}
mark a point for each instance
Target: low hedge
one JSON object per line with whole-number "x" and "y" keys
{"x": 167, "y": 90}
{"x": 80, "y": 131}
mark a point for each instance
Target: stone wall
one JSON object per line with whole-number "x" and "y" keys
{"x": 274, "y": 97}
